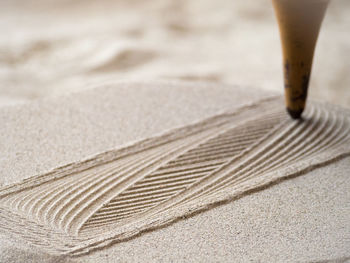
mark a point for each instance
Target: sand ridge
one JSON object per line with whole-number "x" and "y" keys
{"x": 172, "y": 176}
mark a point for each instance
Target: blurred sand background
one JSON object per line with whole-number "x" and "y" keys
{"x": 52, "y": 47}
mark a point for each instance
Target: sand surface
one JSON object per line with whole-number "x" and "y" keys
{"x": 108, "y": 176}
{"x": 79, "y": 173}
{"x": 93, "y": 122}
{"x": 56, "y": 47}
{"x": 305, "y": 219}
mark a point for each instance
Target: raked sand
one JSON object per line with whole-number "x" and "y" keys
{"x": 173, "y": 171}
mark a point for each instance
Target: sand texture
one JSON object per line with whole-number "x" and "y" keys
{"x": 168, "y": 171}
{"x": 305, "y": 219}
{"x": 56, "y": 47}
{"x": 152, "y": 176}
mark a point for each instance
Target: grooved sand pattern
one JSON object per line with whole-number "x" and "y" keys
{"x": 172, "y": 176}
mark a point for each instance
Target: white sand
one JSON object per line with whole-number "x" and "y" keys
{"x": 56, "y": 47}
{"x": 305, "y": 219}
{"x": 70, "y": 129}
{"x": 54, "y": 132}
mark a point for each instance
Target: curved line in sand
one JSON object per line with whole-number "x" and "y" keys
{"x": 234, "y": 152}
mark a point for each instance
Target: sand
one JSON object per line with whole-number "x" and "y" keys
{"x": 92, "y": 171}
{"x": 109, "y": 174}
{"x": 305, "y": 219}
{"x": 57, "y": 47}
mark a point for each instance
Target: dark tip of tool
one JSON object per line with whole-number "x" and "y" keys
{"x": 295, "y": 114}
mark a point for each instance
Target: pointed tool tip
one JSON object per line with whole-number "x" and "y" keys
{"x": 295, "y": 114}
